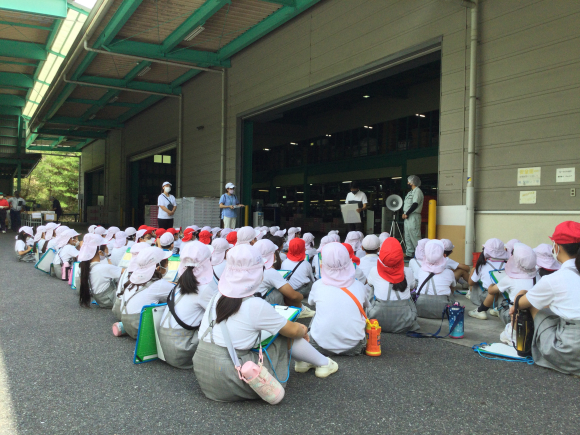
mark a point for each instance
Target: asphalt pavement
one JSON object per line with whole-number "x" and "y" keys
{"x": 62, "y": 371}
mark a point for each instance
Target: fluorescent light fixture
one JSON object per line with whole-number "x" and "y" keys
{"x": 396, "y": 178}
{"x": 284, "y": 197}
{"x": 194, "y": 33}
{"x": 277, "y": 187}
{"x": 311, "y": 184}
{"x": 266, "y": 149}
{"x": 300, "y": 193}
{"x": 420, "y": 115}
{"x": 299, "y": 201}
{"x": 144, "y": 71}
{"x": 289, "y": 202}
{"x": 344, "y": 182}
{"x": 343, "y": 200}
{"x": 368, "y": 126}
{"x": 263, "y": 190}
{"x": 366, "y": 96}
{"x": 328, "y": 200}
{"x": 293, "y": 143}
{"x": 328, "y": 135}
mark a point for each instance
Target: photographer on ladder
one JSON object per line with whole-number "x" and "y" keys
{"x": 412, "y": 215}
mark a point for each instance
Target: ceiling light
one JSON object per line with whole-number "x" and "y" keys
{"x": 328, "y": 135}
{"x": 396, "y": 178}
{"x": 263, "y": 190}
{"x": 311, "y": 144}
{"x": 266, "y": 149}
{"x": 299, "y": 201}
{"x": 293, "y": 143}
{"x": 277, "y": 187}
{"x": 344, "y": 182}
{"x": 420, "y": 115}
{"x": 144, "y": 71}
{"x": 368, "y": 126}
{"x": 300, "y": 192}
{"x": 343, "y": 200}
{"x": 328, "y": 200}
{"x": 366, "y": 96}
{"x": 92, "y": 116}
{"x": 194, "y": 33}
{"x": 115, "y": 98}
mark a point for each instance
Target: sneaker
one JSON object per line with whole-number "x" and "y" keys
{"x": 306, "y": 312}
{"x": 481, "y": 315}
{"x": 493, "y": 312}
{"x": 327, "y": 370}
{"x": 303, "y": 367}
{"x": 3, "y": 232}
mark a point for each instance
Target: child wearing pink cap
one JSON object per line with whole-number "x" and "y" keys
{"x": 554, "y": 303}
{"x": 461, "y": 271}
{"x": 23, "y": 250}
{"x": 301, "y": 278}
{"x": 521, "y": 275}
{"x": 127, "y": 271}
{"x": 66, "y": 253}
{"x": 245, "y": 317}
{"x": 186, "y": 305}
{"x": 119, "y": 248}
{"x": 493, "y": 257}
{"x": 435, "y": 283}
{"x": 546, "y": 264}
{"x": 416, "y": 262}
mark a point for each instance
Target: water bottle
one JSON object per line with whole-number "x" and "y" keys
{"x": 455, "y": 314}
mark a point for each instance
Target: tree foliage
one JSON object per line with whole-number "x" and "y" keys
{"x": 54, "y": 175}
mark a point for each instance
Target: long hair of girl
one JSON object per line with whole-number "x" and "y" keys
{"x": 187, "y": 282}
{"x": 85, "y": 287}
{"x": 129, "y": 285}
{"x": 23, "y": 236}
{"x": 480, "y": 261}
{"x": 400, "y": 286}
{"x": 227, "y": 307}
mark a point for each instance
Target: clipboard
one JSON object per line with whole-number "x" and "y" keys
{"x": 289, "y": 313}
{"x": 497, "y": 275}
{"x": 45, "y": 261}
{"x": 124, "y": 263}
{"x": 501, "y": 350}
{"x": 173, "y": 263}
{"x": 157, "y": 315}
{"x": 284, "y": 273}
{"x": 76, "y": 271}
{"x": 349, "y": 213}
{"x": 146, "y": 346}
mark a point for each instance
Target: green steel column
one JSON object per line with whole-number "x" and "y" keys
{"x": 247, "y": 151}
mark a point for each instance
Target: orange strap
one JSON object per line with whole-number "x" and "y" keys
{"x": 353, "y": 297}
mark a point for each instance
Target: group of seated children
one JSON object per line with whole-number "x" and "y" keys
{"x": 225, "y": 285}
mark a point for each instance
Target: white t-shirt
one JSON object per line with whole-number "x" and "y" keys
{"x": 176, "y": 246}
{"x": 381, "y": 285}
{"x": 303, "y": 276}
{"x": 191, "y": 307}
{"x": 219, "y": 269}
{"x": 51, "y": 244}
{"x": 443, "y": 283}
{"x": 255, "y": 315}
{"x": 560, "y": 291}
{"x": 367, "y": 263}
{"x": 164, "y": 201}
{"x": 283, "y": 256}
{"x": 483, "y": 274}
{"x": 117, "y": 254}
{"x": 359, "y": 274}
{"x": 338, "y": 325}
{"x": 154, "y": 294}
{"x": 514, "y": 285}
{"x": 20, "y": 246}
{"x": 311, "y": 254}
{"x": 316, "y": 266}
{"x": 101, "y": 276}
{"x": 360, "y": 196}
{"x": 416, "y": 268}
{"x": 451, "y": 264}
{"x": 272, "y": 280}
{"x": 130, "y": 243}
{"x": 67, "y": 253}
{"x": 40, "y": 244}
{"x": 360, "y": 253}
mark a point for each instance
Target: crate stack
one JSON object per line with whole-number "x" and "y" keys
{"x": 197, "y": 211}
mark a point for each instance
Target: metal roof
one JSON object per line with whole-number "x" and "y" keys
{"x": 200, "y": 33}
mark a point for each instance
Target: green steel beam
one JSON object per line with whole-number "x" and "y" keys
{"x": 264, "y": 27}
{"x": 30, "y": 26}
{"x": 16, "y": 79}
{"x": 57, "y": 142}
{"x": 291, "y": 3}
{"x": 47, "y": 148}
{"x": 15, "y": 161}
{"x": 198, "y": 18}
{"x": 73, "y": 133}
{"x": 80, "y": 146}
{"x": 9, "y": 62}
{"x": 154, "y": 51}
{"x": 26, "y": 50}
{"x": 10, "y": 110}
{"x": 141, "y": 86}
{"x": 104, "y": 123}
{"x": 11, "y": 100}
{"x": 93, "y": 102}
{"x": 49, "y": 8}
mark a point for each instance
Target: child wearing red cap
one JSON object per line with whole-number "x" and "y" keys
{"x": 391, "y": 282}
{"x": 302, "y": 277}
{"x": 556, "y": 342}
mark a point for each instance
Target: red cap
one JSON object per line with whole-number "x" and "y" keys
{"x": 353, "y": 257}
{"x": 187, "y": 235}
{"x": 232, "y": 238}
{"x": 205, "y": 237}
{"x": 142, "y": 227}
{"x": 173, "y": 231}
{"x": 391, "y": 264}
{"x": 296, "y": 249}
{"x": 159, "y": 232}
{"x": 566, "y": 232}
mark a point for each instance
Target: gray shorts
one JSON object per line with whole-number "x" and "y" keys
{"x": 355, "y": 351}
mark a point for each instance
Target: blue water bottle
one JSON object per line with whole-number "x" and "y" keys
{"x": 456, "y": 314}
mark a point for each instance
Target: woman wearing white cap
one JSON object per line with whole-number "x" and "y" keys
{"x": 218, "y": 256}
{"x": 245, "y": 317}
{"x": 135, "y": 249}
{"x": 146, "y": 286}
{"x": 167, "y": 207}
{"x": 119, "y": 247}
{"x": 435, "y": 283}
{"x": 338, "y": 327}
{"x": 370, "y": 246}
{"x": 23, "y": 250}
{"x": 228, "y": 203}
{"x": 493, "y": 257}
{"x": 66, "y": 254}
{"x": 186, "y": 305}
{"x": 97, "y": 280}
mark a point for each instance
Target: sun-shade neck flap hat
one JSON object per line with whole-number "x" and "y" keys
{"x": 146, "y": 263}
{"x": 205, "y": 237}
{"x": 166, "y": 239}
{"x": 567, "y": 232}
{"x": 383, "y": 237}
{"x": 50, "y": 227}
{"x": 323, "y": 242}
{"x": 353, "y": 239}
{"x": 447, "y": 244}
{"x": 130, "y": 231}
{"x": 246, "y": 235}
{"x": 334, "y": 237}
{"x": 220, "y": 246}
{"x": 215, "y": 231}
{"x": 296, "y": 250}
{"x": 509, "y": 246}
{"x": 225, "y": 232}
{"x": 142, "y": 233}
{"x": 159, "y": 232}
{"x": 420, "y": 249}
{"x": 135, "y": 249}
{"x": 91, "y": 244}
{"x": 188, "y": 235}
{"x": 391, "y": 264}
{"x": 336, "y": 269}
{"x": 27, "y": 230}
{"x": 434, "y": 260}
{"x": 273, "y": 230}
{"x": 194, "y": 227}
{"x": 243, "y": 273}
{"x": 206, "y": 228}
{"x": 494, "y": 248}
{"x": 280, "y": 233}
{"x": 544, "y": 257}
{"x": 197, "y": 256}
{"x": 111, "y": 233}
{"x": 293, "y": 231}
{"x": 353, "y": 257}
{"x": 61, "y": 230}
{"x": 309, "y": 240}
{"x": 371, "y": 243}
{"x": 100, "y": 230}
{"x": 91, "y": 229}
{"x": 120, "y": 239}
{"x": 64, "y": 237}
{"x": 232, "y": 238}
{"x": 267, "y": 249}
{"x": 39, "y": 231}
{"x": 522, "y": 264}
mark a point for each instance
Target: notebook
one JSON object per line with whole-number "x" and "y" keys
{"x": 284, "y": 273}
{"x": 172, "y": 268}
{"x": 45, "y": 261}
{"x": 126, "y": 259}
{"x": 289, "y": 313}
{"x": 497, "y": 275}
{"x": 146, "y": 345}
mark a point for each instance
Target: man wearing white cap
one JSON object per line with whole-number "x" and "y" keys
{"x": 167, "y": 207}
{"x": 228, "y": 202}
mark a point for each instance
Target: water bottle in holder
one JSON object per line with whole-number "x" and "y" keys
{"x": 455, "y": 315}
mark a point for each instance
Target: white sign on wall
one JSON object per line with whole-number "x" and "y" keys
{"x": 565, "y": 175}
{"x": 529, "y": 176}
{"x": 527, "y": 197}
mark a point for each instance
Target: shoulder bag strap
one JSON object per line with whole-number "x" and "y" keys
{"x": 171, "y": 305}
{"x": 292, "y": 273}
{"x": 390, "y": 290}
{"x": 359, "y": 306}
{"x": 425, "y": 282}
{"x": 210, "y": 319}
{"x": 216, "y": 277}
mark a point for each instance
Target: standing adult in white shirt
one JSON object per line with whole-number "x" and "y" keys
{"x": 359, "y": 197}
{"x": 167, "y": 207}
{"x": 16, "y": 204}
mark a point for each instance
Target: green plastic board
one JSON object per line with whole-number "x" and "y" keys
{"x": 146, "y": 346}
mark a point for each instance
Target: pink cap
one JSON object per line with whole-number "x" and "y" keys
{"x": 39, "y": 231}
{"x": 293, "y": 231}
{"x": 92, "y": 229}
{"x": 147, "y": 262}
{"x": 111, "y": 233}
{"x": 61, "y": 229}
{"x": 166, "y": 239}
{"x": 246, "y": 235}
{"x": 65, "y": 237}
{"x": 214, "y": 232}
{"x": 337, "y": 269}
{"x": 135, "y": 249}
{"x": 434, "y": 260}
{"x": 206, "y": 228}
{"x": 220, "y": 246}
{"x": 100, "y": 230}
{"x": 354, "y": 240}
{"x": 50, "y": 227}
{"x": 120, "y": 239}
{"x": 308, "y": 240}
{"x": 420, "y": 249}
{"x": 523, "y": 263}
{"x": 280, "y": 233}
{"x": 91, "y": 243}
{"x": 197, "y": 255}
{"x": 225, "y": 232}
{"x": 383, "y": 237}
{"x": 27, "y": 230}
{"x": 334, "y": 237}
{"x": 544, "y": 257}
{"x": 494, "y": 248}
{"x": 448, "y": 244}
{"x": 274, "y": 229}
{"x": 267, "y": 249}
{"x": 243, "y": 273}
{"x": 130, "y": 231}
{"x": 509, "y": 246}
{"x": 323, "y": 242}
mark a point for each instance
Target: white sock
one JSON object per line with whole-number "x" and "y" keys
{"x": 303, "y": 351}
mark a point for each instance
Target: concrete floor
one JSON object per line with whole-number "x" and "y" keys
{"x": 62, "y": 372}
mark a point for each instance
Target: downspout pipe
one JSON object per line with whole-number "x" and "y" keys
{"x": 223, "y": 135}
{"x": 470, "y": 191}
{"x": 179, "y": 167}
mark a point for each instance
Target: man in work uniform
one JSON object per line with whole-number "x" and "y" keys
{"x": 412, "y": 215}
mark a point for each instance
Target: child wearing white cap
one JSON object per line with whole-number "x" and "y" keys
{"x": 493, "y": 257}
{"x": 310, "y": 249}
{"x": 461, "y": 271}
{"x": 546, "y": 264}
{"x": 97, "y": 280}
{"x": 218, "y": 256}
{"x": 119, "y": 247}
{"x": 416, "y": 262}
{"x": 135, "y": 249}
{"x": 130, "y": 232}
{"x": 66, "y": 254}
{"x": 58, "y": 230}
{"x": 370, "y": 246}
{"x": 22, "y": 249}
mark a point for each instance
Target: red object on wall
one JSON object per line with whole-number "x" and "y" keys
{"x": 153, "y": 216}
